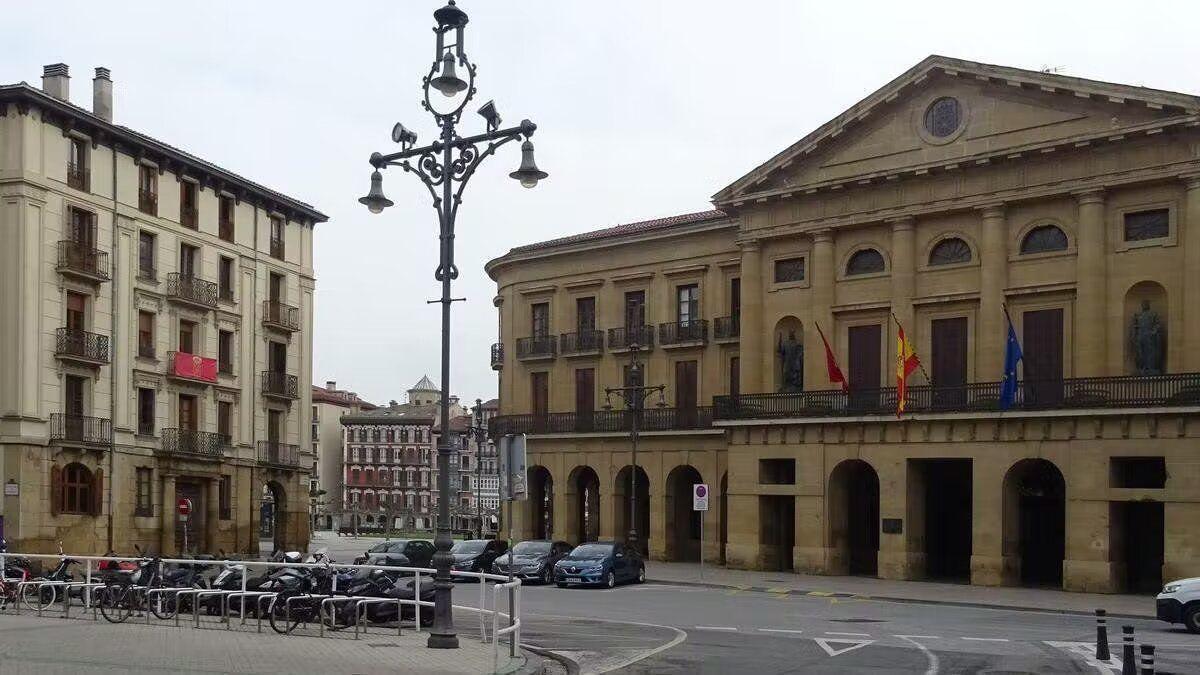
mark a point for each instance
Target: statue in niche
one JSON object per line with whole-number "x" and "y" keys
{"x": 791, "y": 361}
{"x": 1147, "y": 341}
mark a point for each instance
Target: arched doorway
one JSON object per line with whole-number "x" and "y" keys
{"x": 273, "y": 518}
{"x": 541, "y": 503}
{"x": 1035, "y": 507}
{"x": 854, "y": 518}
{"x": 621, "y": 492}
{"x": 585, "y": 484}
{"x": 724, "y": 511}
{"x": 683, "y": 524}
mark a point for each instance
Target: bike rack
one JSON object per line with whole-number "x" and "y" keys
{"x": 221, "y": 593}
{"x": 38, "y": 583}
{"x": 358, "y": 610}
{"x": 287, "y": 605}
{"x": 332, "y": 601}
{"x": 186, "y": 591}
{"x": 148, "y": 592}
{"x": 258, "y": 604}
{"x": 88, "y": 588}
{"x": 228, "y": 604}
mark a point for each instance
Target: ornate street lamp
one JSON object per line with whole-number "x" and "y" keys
{"x": 444, "y": 167}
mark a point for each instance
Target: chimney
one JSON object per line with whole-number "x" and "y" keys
{"x": 392, "y": 403}
{"x": 102, "y": 95}
{"x": 56, "y": 81}
{"x": 331, "y": 385}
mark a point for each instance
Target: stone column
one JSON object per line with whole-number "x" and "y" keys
{"x": 751, "y": 378}
{"x": 1090, "y": 344}
{"x": 1191, "y": 277}
{"x": 166, "y": 542}
{"x": 993, "y": 278}
{"x": 904, "y": 274}
{"x": 822, "y": 273}
{"x": 212, "y": 520}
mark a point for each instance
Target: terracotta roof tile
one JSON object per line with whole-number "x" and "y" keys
{"x": 626, "y": 229}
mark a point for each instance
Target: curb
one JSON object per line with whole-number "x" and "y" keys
{"x": 570, "y": 665}
{"x": 908, "y": 600}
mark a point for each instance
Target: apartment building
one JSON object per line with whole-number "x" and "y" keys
{"x": 329, "y": 404}
{"x": 157, "y": 318}
{"x": 963, "y": 201}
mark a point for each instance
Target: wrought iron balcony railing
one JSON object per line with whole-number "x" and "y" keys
{"x": 78, "y": 177}
{"x": 539, "y": 347}
{"x": 147, "y": 201}
{"x": 583, "y": 342}
{"x": 1129, "y": 391}
{"x": 72, "y": 343}
{"x": 623, "y": 338}
{"x": 683, "y": 332}
{"x": 191, "y": 290}
{"x": 281, "y": 316}
{"x": 727, "y": 327}
{"x": 80, "y": 430}
{"x": 280, "y": 385}
{"x": 192, "y": 443}
{"x": 83, "y": 260}
{"x": 497, "y": 356}
{"x": 274, "y": 453}
{"x": 602, "y": 421}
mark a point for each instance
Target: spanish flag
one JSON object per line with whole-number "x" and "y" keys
{"x": 906, "y": 363}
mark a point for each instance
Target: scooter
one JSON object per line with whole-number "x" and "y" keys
{"x": 47, "y": 594}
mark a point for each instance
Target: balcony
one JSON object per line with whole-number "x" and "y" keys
{"x": 192, "y": 291}
{"x": 280, "y": 385}
{"x": 497, "y": 356}
{"x": 225, "y": 229}
{"x": 191, "y": 368}
{"x": 727, "y": 328}
{"x": 583, "y": 343}
{"x": 148, "y": 201}
{"x": 683, "y": 333}
{"x": 79, "y": 431}
{"x": 274, "y": 453}
{"x": 1081, "y": 393}
{"x": 603, "y": 421}
{"x": 78, "y": 177}
{"x": 81, "y": 260}
{"x": 189, "y": 217}
{"x": 536, "y": 348}
{"x": 72, "y": 344}
{"x": 280, "y": 316}
{"x": 190, "y": 443}
{"x": 277, "y": 250}
{"x": 621, "y": 339}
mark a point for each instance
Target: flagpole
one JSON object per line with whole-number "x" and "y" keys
{"x": 920, "y": 364}
{"x": 1024, "y": 364}
{"x": 830, "y": 355}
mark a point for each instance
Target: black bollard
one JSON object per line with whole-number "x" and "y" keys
{"x": 1147, "y": 659}
{"x": 1128, "y": 653}
{"x": 1102, "y": 636}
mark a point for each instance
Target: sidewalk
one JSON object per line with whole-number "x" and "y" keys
{"x": 1137, "y": 606}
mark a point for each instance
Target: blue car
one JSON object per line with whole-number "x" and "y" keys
{"x": 600, "y": 563}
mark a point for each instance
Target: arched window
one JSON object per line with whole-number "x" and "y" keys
{"x": 950, "y": 251}
{"x": 1043, "y": 239}
{"x": 866, "y": 261}
{"x": 76, "y": 489}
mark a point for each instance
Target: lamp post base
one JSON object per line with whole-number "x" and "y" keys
{"x": 442, "y": 641}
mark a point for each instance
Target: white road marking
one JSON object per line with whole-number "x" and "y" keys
{"x": 831, "y": 648}
{"x": 617, "y": 664}
{"x": 987, "y": 639}
{"x": 829, "y": 632}
{"x": 779, "y": 630}
{"x": 724, "y": 628}
{"x": 1087, "y": 651}
{"x": 933, "y": 659}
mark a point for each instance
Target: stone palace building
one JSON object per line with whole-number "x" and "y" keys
{"x": 953, "y": 197}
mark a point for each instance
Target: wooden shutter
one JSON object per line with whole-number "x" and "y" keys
{"x": 1042, "y": 349}
{"x": 56, "y": 489}
{"x": 948, "y": 341}
{"x": 865, "y": 371}
{"x": 97, "y": 505}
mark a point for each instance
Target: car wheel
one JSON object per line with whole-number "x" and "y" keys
{"x": 1191, "y": 617}
{"x": 610, "y": 580}
{"x": 641, "y": 577}
{"x": 547, "y": 576}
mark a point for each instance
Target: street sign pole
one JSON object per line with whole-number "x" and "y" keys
{"x": 700, "y": 503}
{"x": 701, "y": 546}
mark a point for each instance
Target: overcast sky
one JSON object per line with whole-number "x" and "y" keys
{"x": 645, "y": 108}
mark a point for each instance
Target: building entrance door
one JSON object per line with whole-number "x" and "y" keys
{"x": 777, "y": 532}
{"x": 195, "y": 529}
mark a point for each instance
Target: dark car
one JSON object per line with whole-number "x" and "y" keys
{"x": 604, "y": 563}
{"x": 476, "y": 555}
{"x": 401, "y": 553}
{"x": 532, "y": 560}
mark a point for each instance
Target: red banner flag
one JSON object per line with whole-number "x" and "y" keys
{"x": 194, "y": 367}
{"x": 831, "y": 364}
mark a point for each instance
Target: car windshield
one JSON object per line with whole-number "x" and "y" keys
{"x": 532, "y": 548}
{"x": 469, "y": 547}
{"x": 591, "y": 551}
{"x": 380, "y": 547}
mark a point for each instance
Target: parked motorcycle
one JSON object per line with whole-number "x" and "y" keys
{"x": 44, "y": 595}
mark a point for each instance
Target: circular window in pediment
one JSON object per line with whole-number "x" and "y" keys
{"x": 943, "y": 117}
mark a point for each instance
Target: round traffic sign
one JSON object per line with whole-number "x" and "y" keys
{"x": 184, "y": 505}
{"x": 701, "y": 490}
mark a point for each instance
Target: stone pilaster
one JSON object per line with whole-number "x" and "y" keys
{"x": 904, "y": 273}
{"x": 1191, "y": 274}
{"x": 823, "y": 274}
{"x": 1090, "y": 344}
{"x": 993, "y": 278}
{"x": 166, "y": 543}
{"x": 751, "y": 377}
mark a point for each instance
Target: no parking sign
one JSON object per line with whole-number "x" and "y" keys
{"x": 699, "y": 497}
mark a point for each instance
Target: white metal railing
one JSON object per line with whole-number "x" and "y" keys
{"x": 89, "y": 586}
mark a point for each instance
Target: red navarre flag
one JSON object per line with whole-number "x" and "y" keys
{"x": 831, "y": 364}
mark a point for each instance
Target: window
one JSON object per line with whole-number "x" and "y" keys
{"x": 225, "y": 419}
{"x": 81, "y": 227}
{"x": 277, "y": 232}
{"x": 147, "y": 189}
{"x": 735, "y": 375}
{"x": 635, "y": 310}
{"x": 789, "y": 270}
{"x": 943, "y": 117}
{"x": 144, "y": 480}
{"x": 146, "y": 334}
{"x": 225, "y": 352}
{"x": 866, "y": 261}
{"x": 225, "y": 279}
{"x": 688, "y": 303}
{"x": 1143, "y": 225}
{"x": 950, "y": 251}
{"x": 1044, "y": 239}
{"x": 76, "y": 311}
{"x": 777, "y": 471}
{"x": 77, "y": 165}
{"x": 225, "y": 218}
{"x": 145, "y": 412}
{"x": 539, "y": 314}
{"x": 188, "y": 216}
{"x": 187, "y": 337}
{"x": 146, "y": 243}
{"x": 75, "y": 490}
{"x": 188, "y": 256}
{"x": 585, "y": 315}
{"x": 225, "y": 498}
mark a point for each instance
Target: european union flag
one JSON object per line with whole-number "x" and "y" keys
{"x": 1012, "y": 354}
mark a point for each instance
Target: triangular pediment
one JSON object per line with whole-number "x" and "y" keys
{"x": 997, "y": 109}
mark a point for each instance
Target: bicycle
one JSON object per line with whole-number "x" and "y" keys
{"x": 285, "y": 616}
{"x": 121, "y": 597}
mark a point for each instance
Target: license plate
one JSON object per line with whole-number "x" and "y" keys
{"x": 574, "y": 580}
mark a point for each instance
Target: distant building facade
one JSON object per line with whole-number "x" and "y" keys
{"x": 329, "y": 404}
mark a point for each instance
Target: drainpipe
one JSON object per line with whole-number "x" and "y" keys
{"x": 255, "y": 495}
{"x": 112, "y": 368}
